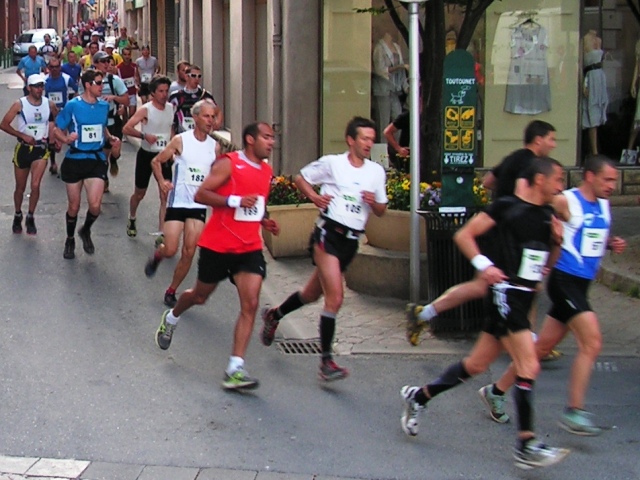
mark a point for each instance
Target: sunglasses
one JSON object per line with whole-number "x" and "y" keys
{"x": 54, "y": 66}
{"x": 97, "y": 82}
{"x": 37, "y": 85}
{"x": 195, "y": 75}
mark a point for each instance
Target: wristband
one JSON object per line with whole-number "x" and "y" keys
{"x": 481, "y": 263}
{"x": 233, "y": 201}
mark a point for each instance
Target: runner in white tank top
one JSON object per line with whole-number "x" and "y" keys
{"x": 35, "y": 114}
{"x": 155, "y": 119}
{"x": 194, "y": 152}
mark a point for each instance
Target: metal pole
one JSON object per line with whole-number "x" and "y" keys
{"x": 414, "y": 149}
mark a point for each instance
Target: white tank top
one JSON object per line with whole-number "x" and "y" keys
{"x": 159, "y": 124}
{"x": 190, "y": 169}
{"x": 34, "y": 119}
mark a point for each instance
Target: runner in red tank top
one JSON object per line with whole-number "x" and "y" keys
{"x": 230, "y": 246}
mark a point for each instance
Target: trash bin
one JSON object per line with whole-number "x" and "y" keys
{"x": 448, "y": 267}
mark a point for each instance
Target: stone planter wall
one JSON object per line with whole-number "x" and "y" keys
{"x": 392, "y": 231}
{"x": 296, "y": 223}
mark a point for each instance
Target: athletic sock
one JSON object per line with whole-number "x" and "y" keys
{"x": 170, "y": 291}
{"x": 91, "y": 218}
{"x": 71, "y": 225}
{"x": 421, "y": 397}
{"x": 523, "y": 397}
{"x": 171, "y": 318}
{"x": 327, "y": 330}
{"x": 452, "y": 376}
{"x": 293, "y": 302}
{"x": 496, "y": 391}
{"x": 427, "y": 313}
{"x": 235, "y": 363}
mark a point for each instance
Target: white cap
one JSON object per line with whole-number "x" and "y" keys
{"x": 35, "y": 79}
{"x": 110, "y": 45}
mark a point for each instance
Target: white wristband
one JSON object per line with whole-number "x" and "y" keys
{"x": 233, "y": 201}
{"x": 481, "y": 263}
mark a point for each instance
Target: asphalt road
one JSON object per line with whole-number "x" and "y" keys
{"x": 82, "y": 378}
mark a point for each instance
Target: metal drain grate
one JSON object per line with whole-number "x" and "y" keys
{"x": 289, "y": 347}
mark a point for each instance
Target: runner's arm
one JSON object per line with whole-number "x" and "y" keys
{"x": 173, "y": 148}
{"x": 130, "y": 127}
{"x": 218, "y": 175}
{"x": 5, "y": 124}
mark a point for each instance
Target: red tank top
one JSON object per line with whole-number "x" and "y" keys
{"x": 128, "y": 71}
{"x": 231, "y": 230}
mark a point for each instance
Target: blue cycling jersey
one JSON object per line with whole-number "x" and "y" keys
{"x": 89, "y": 121}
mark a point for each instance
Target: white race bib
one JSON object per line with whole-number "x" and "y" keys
{"x": 195, "y": 176}
{"x": 129, "y": 82}
{"x": 250, "y": 214}
{"x": 349, "y": 205}
{"x": 91, "y": 133}
{"x": 145, "y": 77}
{"x": 56, "y": 97}
{"x": 36, "y": 130}
{"x": 532, "y": 263}
{"x": 188, "y": 123}
{"x": 161, "y": 143}
{"x": 594, "y": 242}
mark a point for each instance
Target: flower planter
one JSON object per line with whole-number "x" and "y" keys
{"x": 296, "y": 223}
{"x": 392, "y": 231}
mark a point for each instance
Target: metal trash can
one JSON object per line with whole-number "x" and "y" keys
{"x": 448, "y": 267}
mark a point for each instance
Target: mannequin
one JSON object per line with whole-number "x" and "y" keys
{"x": 634, "y": 94}
{"x": 595, "y": 99}
{"x": 389, "y": 81}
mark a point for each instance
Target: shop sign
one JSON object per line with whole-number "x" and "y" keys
{"x": 138, "y": 3}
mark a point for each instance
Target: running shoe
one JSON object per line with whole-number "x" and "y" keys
{"x": 151, "y": 267}
{"x": 132, "y": 231}
{"x": 69, "y": 249}
{"x": 270, "y": 325}
{"x": 330, "y": 371}
{"x": 170, "y": 299}
{"x": 17, "y": 224}
{"x": 552, "y": 356}
{"x": 30, "y": 223}
{"x": 414, "y": 324}
{"x": 537, "y": 454}
{"x": 159, "y": 240}
{"x": 53, "y": 169}
{"x": 579, "y": 422}
{"x": 239, "y": 380}
{"x": 87, "y": 243}
{"x": 164, "y": 334}
{"x": 409, "y": 419}
{"x": 114, "y": 169}
{"x": 495, "y": 404}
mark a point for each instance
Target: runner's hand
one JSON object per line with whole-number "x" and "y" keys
{"x": 493, "y": 275}
{"x": 248, "y": 201}
{"x": 29, "y": 140}
{"x": 270, "y": 225}
{"x": 166, "y": 186}
{"x": 369, "y": 198}
{"x": 322, "y": 201}
{"x": 617, "y": 244}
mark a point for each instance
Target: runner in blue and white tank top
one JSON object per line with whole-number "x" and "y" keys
{"x": 586, "y": 219}
{"x": 82, "y": 124}
{"x": 194, "y": 152}
{"x": 34, "y": 114}
{"x": 56, "y": 88}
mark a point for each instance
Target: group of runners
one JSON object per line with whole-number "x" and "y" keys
{"x": 532, "y": 223}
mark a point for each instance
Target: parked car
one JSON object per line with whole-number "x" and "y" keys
{"x": 32, "y": 37}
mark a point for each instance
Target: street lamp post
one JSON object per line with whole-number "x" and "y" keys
{"x": 414, "y": 149}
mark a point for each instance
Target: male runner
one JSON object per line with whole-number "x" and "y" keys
{"x": 194, "y": 152}
{"x": 30, "y": 65}
{"x": 83, "y": 125}
{"x": 181, "y": 81}
{"x": 34, "y": 114}
{"x": 352, "y": 187}
{"x": 231, "y": 245}
{"x": 184, "y": 99}
{"x": 156, "y": 121}
{"x": 525, "y": 233}
{"x": 539, "y": 141}
{"x": 148, "y": 66}
{"x": 56, "y": 88}
{"x": 586, "y": 219}
{"x": 127, "y": 72}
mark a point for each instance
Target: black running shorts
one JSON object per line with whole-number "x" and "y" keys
{"x": 181, "y": 214}
{"x": 24, "y": 155}
{"x": 213, "y": 267}
{"x": 335, "y": 244}
{"x": 144, "y": 171}
{"x": 73, "y": 170}
{"x": 507, "y": 310}
{"x": 568, "y": 295}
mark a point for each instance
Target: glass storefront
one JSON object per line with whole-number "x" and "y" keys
{"x": 566, "y": 62}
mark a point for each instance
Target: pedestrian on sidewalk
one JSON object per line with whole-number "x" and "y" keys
{"x": 194, "y": 152}
{"x": 586, "y": 218}
{"x": 35, "y": 114}
{"x": 351, "y": 188}
{"x": 231, "y": 244}
{"x": 525, "y": 232}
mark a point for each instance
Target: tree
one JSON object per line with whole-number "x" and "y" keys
{"x": 433, "y": 33}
